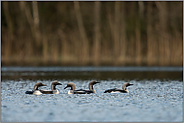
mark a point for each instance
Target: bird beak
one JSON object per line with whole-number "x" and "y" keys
{"x": 131, "y": 84}
{"x": 97, "y": 82}
{"x": 65, "y": 87}
{"x": 59, "y": 84}
{"x": 44, "y": 85}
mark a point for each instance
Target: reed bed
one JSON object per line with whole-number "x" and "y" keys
{"x": 92, "y": 33}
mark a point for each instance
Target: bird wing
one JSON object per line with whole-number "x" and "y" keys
{"x": 82, "y": 91}
{"x": 29, "y": 92}
{"x": 46, "y": 91}
{"x": 114, "y": 90}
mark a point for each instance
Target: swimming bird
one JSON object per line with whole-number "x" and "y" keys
{"x": 53, "y": 88}
{"x": 72, "y": 85}
{"x": 81, "y": 91}
{"x": 91, "y": 89}
{"x": 91, "y": 86}
{"x": 123, "y": 90}
{"x": 36, "y": 91}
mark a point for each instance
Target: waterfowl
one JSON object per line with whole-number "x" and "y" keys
{"x": 123, "y": 90}
{"x": 72, "y": 85}
{"x": 91, "y": 85}
{"x": 91, "y": 89}
{"x": 81, "y": 91}
{"x": 53, "y": 88}
{"x": 36, "y": 91}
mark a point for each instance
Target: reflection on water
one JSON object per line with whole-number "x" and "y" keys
{"x": 104, "y": 73}
{"x": 155, "y": 95}
{"x": 104, "y": 68}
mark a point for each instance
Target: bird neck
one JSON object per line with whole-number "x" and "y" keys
{"x": 72, "y": 88}
{"x": 91, "y": 87}
{"x": 124, "y": 88}
{"x": 53, "y": 87}
{"x": 35, "y": 87}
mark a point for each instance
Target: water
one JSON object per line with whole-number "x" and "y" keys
{"x": 156, "y": 96}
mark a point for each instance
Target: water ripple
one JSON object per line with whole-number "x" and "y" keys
{"x": 148, "y": 101}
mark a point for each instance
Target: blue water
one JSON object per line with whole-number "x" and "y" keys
{"x": 150, "y": 99}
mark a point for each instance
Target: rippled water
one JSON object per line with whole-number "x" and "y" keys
{"x": 148, "y": 100}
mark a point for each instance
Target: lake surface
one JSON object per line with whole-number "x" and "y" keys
{"x": 156, "y": 96}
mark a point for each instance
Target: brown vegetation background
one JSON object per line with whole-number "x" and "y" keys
{"x": 92, "y": 33}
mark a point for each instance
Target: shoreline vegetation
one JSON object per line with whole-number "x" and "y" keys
{"x": 92, "y": 33}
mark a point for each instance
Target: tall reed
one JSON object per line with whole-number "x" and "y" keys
{"x": 92, "y": 33}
